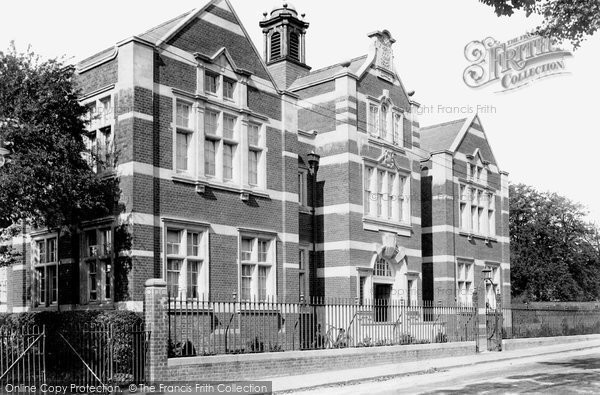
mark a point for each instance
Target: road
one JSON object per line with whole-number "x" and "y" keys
{"x": 575, "y": 372}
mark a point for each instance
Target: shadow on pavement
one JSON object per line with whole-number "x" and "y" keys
{"x": 554, "y": 383}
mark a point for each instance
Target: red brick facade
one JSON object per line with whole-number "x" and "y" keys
{"x": 211, "y": 145}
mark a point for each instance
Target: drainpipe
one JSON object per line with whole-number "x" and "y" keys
{"x": 313, "y": 167}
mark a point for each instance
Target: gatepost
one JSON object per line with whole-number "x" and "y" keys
{"x": 155, "y": 316}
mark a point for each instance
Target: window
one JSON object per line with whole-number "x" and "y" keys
{"x": 373, "y": 119}
{"x": 368, "y": 190}
{"x": 45, "y": 271}
{"x": 361, "y": 290}
{"x": 183, "y": 111}
{"x": 183, "y": 145}
{"x": 211, "y": 82}
{"x": 186, "y": 271}
{"x": 228, "y": 88}
{"x": 98, "y": 140}
{"x": 385, "y": 194}
{"x": 256, "y": 146}
{"x": 382, "y": 268}
{"x": 383, "y": 119}
{"x": 410, "y": 284}
{"x": 476, "y": 207}
{"x": 303, "y": 272}
{"x": 491, "y": 289}
{"x": 257, "y": 256}
{"x": 385, "y": 122}
{"x": 253, "y": 134}
{"x": 464, "y": 278}
{"x": 275, "y": 45}
{"x": 302, "y": 188}
{"x": 228, "y": 150}
{"x": 398, "y": 137}
{"x": 228, "y": 126}
{"x": 294, "y": 46}
{"x": 96, "y": 252}
{"x": 253, "y": 167}
{"x": 211, "y": 123}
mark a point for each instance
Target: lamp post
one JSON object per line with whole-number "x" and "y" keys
{"x": 486, "y": 275}
{"x": 313, "y": 168}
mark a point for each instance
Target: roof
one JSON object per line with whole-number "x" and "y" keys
{"x": 157, "y": 32}
{"x": 151, "y": 35}
{"x": 328, "y": 72}
{"x": 441, "y": 136}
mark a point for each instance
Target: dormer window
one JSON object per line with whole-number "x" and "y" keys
{"x": 275, "y": 45}
{"x": 385, "y": 122}
{"x": 211, "y": 82}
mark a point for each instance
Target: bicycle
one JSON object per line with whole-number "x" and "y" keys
{"x": 339, "y": 340}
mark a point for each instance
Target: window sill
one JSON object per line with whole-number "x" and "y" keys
{"x": 478, "y": 236}
{"x": 470, "y": 181}
{"x": 202, "y": 183}
{"x": 385, "y": 143}
{"x": 377, "y": 224}
{"x": 304, "y": 209}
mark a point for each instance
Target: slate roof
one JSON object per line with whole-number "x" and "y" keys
{"x": 328, "y": 72}
{"x": 151, "y": 35}
{"x": 441, "y": 136}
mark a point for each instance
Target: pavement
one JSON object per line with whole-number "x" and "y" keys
{"x": 315, "y": 381}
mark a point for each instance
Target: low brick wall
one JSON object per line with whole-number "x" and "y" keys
{"x": 518, "y": 344}
{"x": 255, "y": 366}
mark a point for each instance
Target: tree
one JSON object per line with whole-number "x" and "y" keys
{"x": 563, "y": 19}
{"x": 46, "y": 182}
{"x": 553, "y": 255}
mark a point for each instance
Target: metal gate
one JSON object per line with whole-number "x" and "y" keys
{"x": 106, "y": 355}
{"x": 22, "y": 355}
{"x": 493, "y": 318}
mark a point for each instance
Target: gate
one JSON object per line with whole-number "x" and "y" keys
{"x": 493, "y": 318}
{"x": 22, "y": 355}
{"x": 103, "y": 354}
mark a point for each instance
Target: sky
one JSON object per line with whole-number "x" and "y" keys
{"x": 544, "y": 135}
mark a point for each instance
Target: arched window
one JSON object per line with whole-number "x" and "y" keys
{"x": 275, "y": 45}
{"x": 382, "y": 268}
{"x": 383, "y": 121}
{"x": 294, "y": 46}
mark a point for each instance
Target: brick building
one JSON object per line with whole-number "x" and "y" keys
{"x": 220, "y": 195}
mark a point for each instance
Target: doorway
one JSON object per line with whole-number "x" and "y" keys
{"x": 382, "y": 294}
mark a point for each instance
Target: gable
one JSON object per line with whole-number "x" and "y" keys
{"x": 475, "y": 139}
{"x": 215, "y": 27}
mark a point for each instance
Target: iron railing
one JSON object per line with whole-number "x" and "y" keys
{"x": 524, "y": 322}
{"x": 22, "y": 356}
{"x": 90, "y": 354}
{"x": 207, "y": 327}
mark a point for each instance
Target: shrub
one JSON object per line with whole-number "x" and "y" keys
{"x": 74, "y": 326}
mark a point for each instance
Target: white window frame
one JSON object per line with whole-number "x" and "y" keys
{"x": 261, "y": 150}
{"x": 302, "y": 187}
{"x": 255, "y": 263}
{"x": 465, "y": 278}
{"x": 376, "y": 197}
{"x": 202, "y": 259}
{"x": 101, "y": 255}
{"x": 476, "y": 209}
{"x": 190, "y": 131}
{"x": 394, "y": 131}
{"x": 97, "y": 141}
{"x": 45, "y": 294}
